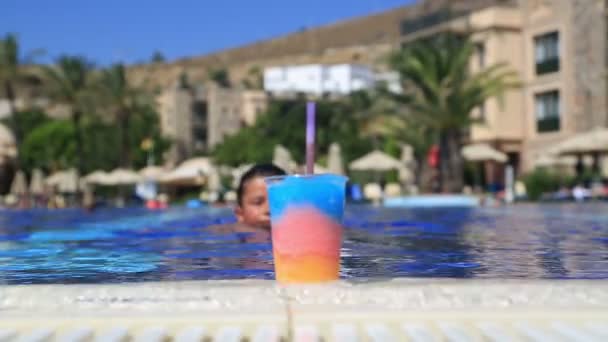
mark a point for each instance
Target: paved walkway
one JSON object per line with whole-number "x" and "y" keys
{"x": 396, "y": 310}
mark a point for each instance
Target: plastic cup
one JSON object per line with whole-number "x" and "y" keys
{"x": 306, "y": 214}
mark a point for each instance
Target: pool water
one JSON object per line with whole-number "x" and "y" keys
{"x": 563, "y": 241}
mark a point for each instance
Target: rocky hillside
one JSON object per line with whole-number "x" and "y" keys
{"x": 361, "y": 40}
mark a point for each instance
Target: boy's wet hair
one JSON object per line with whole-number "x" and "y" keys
{"x": 259, "y": 170}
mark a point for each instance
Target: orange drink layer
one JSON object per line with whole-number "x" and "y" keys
{"x": 306, "y": 246}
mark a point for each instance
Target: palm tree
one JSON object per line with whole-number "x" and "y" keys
{"x": 9, "y": 63}
{"x": 367, "y": 108}
{"x": 441, "y": 92}
{"x": 220, "y": 76}
{"x": 123, "y": 101}
{"x": 70, "y": 83}
{"x": 11, "y": 74}
{"x": 255, "y": 79}
{"x": 381, "y": 114}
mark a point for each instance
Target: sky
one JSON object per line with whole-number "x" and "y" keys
{"x": 129, "y": 31}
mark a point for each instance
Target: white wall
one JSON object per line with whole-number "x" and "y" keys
{"x": 4, "y": 108}
{"x": 391, "y": 79}
{"x": 318, "y": 79}
{"x": 21, "y": 104}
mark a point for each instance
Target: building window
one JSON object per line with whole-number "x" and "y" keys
{"x": 547, "y": 111}
{"x": 480, "y": 50}
{"x": 546, "y": 51}
{"x": 482, "y": 113}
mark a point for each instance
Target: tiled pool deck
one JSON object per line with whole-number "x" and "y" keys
{"x": 394, "y": 310}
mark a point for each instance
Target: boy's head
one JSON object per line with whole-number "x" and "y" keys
{"x": 252, "y": 198}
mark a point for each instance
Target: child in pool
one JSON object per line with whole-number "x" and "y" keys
{"x": 252, "y": 211}
{"x": 253, "y": 217}
{"x": 252, "y": 197}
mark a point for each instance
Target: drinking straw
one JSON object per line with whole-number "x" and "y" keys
{"x": 310, "y": 138}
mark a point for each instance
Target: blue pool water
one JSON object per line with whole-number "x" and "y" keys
{"x": 567, "y": 241}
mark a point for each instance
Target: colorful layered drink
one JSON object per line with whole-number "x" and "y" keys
{"x": 306, "y": 217}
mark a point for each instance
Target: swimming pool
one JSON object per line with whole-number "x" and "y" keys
{"x": 568, "y": 241}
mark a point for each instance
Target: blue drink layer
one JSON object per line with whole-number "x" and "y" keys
{"x": 324, "y": 192}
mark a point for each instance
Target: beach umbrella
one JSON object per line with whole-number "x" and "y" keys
{"x": 406, "y": 171}
{"x": 37, "y": 182}
{"x": 320, "y": 169}
{"x": 482, "y": 152}
{"x": 548, "y": 160}
{"x": 375, "y": 161}
{"x": 64, "y": 180}
{"x": 97, "y": 177}
{"x": 190, "y": 172}
{"x": 69, "y": 182}
{"x": 592, "y": 143}
{"x": 282, "y": 158}
{"x": 595, "y": 141}
{"x": 54, "y": 179}
{"x": 153, "y": 173}
{"x": 238, "y": 172}
{"x": 562, "y": 164}
{"x": 19, "y": 184}
{"x": 214, "y": 183}
{"x": 88, "y": 195}
{"x": 334, "y": 160}
{"x": 604, "y": 166}
{"x": 8, "y": 149}
{"x": 224, "y": 170}
{"x": 123, "y": 177}
{"x": 407, "y": 153}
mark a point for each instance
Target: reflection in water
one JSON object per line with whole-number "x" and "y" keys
{"x": 550, "y": 257}
{"x": 522, "y": 241}
{"x": 541, "y": 241}
{"x": 396, "y": 243}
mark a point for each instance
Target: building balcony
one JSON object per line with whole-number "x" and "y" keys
{"x": 441, "y": 16}
{"x": 497, "y": 17}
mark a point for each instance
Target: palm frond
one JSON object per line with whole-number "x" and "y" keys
{"x": 58, "y": 86}
{"x": 68, "y": 81}
{"x": 9, "y": 57}
{"x": 439, "y": 88}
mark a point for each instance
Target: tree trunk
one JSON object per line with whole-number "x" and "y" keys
{"x": 451, "y": 161}
{"x": 76, "y": 119}
{"x": 7, "y": 172}
{"x": 456, "y": 162}
{"x": 424, "y": 175}
{"x": 125, "y": 146}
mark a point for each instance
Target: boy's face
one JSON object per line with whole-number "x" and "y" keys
{"x": 254, "y": 210}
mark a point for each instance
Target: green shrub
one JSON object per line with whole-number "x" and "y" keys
{"x": 541, "y": 181}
